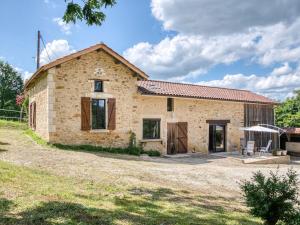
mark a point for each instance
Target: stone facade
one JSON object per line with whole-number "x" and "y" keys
{"x": 39, "y": 93}
{"x": 195, "y": 112}
{"x": 58, "y": 97}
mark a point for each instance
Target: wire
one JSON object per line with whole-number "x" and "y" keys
{"x": 45, "y": 47}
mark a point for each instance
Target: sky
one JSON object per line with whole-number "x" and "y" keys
{"x": 252, "y": 45}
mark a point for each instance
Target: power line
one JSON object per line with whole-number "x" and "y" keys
{"x": 53, "y": 52}
{"x": 45, "y": 47}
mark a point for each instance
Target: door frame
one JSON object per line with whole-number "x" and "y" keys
{"x": 222, "y": 123}
{"x": 214, "y": 150}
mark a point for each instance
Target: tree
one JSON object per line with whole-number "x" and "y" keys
{"x": 11, "y": 84}
{"x": 273, "y": 198}
{"x": 288, "y": 113}
{"x": 90, "y": 11}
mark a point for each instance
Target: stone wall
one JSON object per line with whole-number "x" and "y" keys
{"x": 39, "y": 93}
{"x": 74, "y": 80}
{"x": 195, "y": 112}
{"x": 58, "y": 96}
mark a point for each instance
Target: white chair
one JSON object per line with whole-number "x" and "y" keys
{"x": 250, "y": 147}
{"x": 265, "y": 149}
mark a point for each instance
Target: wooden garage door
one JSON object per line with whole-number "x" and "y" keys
{"x": 177, "y": 138}
{"x": 182, "y": 137}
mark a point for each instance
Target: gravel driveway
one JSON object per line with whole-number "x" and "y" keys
{"x": 211, "y": 175}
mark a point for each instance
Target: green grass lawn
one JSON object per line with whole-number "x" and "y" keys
{"x": 13, "y": 124}
{"x": 30, "y": 196}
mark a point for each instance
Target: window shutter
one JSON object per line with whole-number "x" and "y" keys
{"x": 34, "y": 115}
{"x": 85, "y": 113}
{"x": 30, "y": 115}
{"x": 111, "y": 105}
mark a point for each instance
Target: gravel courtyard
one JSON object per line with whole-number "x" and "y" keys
{"x": 210, "y": 175}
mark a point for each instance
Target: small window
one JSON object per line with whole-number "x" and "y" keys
{"x": 170, "y": 104}
{"x": 98, "y": 114}
{"x": 98, "y": 86}
{"x": 151, "y": 128}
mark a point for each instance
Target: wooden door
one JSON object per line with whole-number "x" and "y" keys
{"x": 171, "y": 139}
{"x": 182, "y": 137}
{"x": 177, "y": 140}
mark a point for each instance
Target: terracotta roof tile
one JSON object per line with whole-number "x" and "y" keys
{"x": 152, "y": 87}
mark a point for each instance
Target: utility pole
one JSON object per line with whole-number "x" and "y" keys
{"x": 38, "y": 51}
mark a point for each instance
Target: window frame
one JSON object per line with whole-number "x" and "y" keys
{"x": 170, "y": 108}
{"x": 159, "y": 128}
{"x": 105, "y": 115}
{"x": 102, "y": 87}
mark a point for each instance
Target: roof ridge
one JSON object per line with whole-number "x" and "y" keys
{"x": 76, "y": 52}
{"x": 199, "y": 85}
{"x": 73, "y": 55}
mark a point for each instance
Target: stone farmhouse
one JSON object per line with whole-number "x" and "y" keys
{"x": 97, "y": 97}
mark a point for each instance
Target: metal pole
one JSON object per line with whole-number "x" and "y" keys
{"x": 38, "y": 51}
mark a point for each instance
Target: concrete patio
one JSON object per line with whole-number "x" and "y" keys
{"x": 265, "y": 158}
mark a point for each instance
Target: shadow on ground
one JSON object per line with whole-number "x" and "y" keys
{"x": 4, "y": 143}
{"x": 148, "y": 209}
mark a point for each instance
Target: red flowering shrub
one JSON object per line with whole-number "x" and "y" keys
{"x": 20, "y": 99}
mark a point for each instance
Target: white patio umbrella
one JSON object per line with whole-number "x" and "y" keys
{"x": 261, "y": 128}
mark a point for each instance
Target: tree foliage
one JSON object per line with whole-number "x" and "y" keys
{"x": 89, "y": 11}
{"x": 11, "y": 85}
{"x": 288, "y": 113}
{"x": 273, "y": 198}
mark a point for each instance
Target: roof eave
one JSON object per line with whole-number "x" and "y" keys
{"x": 72, "y": 56}
{"x": 207, "y": 98}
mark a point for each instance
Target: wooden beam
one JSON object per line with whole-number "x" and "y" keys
{"x": 217, "y": 122}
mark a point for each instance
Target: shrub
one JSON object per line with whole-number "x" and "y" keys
{"x": 273, "y": 198}
{"x": 132, "y": 139}
{"x": 152, "y": 153}
{"x": 93, "y": 148}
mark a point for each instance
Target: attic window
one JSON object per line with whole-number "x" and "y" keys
{"x": 98, "y": 87}
{"x": 170, "y": 104}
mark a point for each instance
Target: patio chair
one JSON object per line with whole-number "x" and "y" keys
{"x": 265, "y": 149}
{"x": 250, "y": 147}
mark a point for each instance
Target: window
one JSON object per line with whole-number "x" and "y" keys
{"x": 151, "y": 128}
{"x": 98, "y": 114}
{"x": 98, "y": 86}
{"x": 170, "y": 104}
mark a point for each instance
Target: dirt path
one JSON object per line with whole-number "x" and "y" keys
{"x": 215, "y": 176}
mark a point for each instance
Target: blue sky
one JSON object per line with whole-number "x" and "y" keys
{"x": 248, "y": 45}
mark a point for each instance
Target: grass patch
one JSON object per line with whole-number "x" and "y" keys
{"x": 9, "y": 124}
{"x": 153, "y": 153}
{"x": 36, "y": 137}
{"x": 29, "y": 196}
{"x": 92, "y": 148}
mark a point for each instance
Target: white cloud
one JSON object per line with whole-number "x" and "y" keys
{"x": 189, "y": 55}
{"x": 24, "y": 73}
{"x": 284, "y": 69}
{"x": 214, "y": 32}
{"x": 273, "y": 86}
{"x": 64, "y": 27}
{"x": 54, "y": 50}
{"x": 214, "y": 17}
{"x": 50, "y": 3}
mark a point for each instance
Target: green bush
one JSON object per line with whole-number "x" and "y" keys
{"x": 93, "y": 148}
{"x": 152, "y": 153}
{"x": 273, "y": 198}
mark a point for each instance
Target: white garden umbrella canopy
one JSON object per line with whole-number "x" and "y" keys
{"x": 259, "y": 129}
